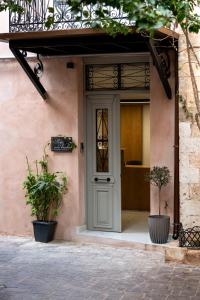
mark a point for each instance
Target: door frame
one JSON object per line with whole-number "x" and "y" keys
{"x": 130, "y": 58}
{"x": 105, "y": 59}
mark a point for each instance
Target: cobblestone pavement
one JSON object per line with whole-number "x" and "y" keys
{"x": 59, "y": 271}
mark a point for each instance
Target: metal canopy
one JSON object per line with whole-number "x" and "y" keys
{"x": 89, "y": 42}
{"x": 83, "y": 45}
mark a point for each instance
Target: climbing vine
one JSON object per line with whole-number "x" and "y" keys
{"x": 187, "y": 113}
{"x": 190, "y": 50}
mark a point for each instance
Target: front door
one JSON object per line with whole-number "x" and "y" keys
{"x": 103, "y": 163}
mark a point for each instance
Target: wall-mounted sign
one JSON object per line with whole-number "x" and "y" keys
{"x": 62, "y": 144}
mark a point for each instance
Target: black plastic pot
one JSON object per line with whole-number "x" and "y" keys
{"x": 44, "y": 231}
{"x": 159, "y": 228}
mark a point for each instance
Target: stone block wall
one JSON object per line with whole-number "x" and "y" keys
{"x": 189, "y": 139}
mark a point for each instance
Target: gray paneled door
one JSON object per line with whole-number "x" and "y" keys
{"x": 103, "y": 163}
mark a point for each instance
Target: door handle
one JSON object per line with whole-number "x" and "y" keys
{"x": 102, "y": 179}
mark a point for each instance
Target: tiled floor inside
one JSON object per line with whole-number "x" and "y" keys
{"x": 135, "y": 221}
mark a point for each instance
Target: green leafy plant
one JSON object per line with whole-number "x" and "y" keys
{"x": 44, "y": 190}
{"x": 159, "y": 177}
{"x": 145, "y": 15}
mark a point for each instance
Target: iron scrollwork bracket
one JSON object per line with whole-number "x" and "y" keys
{"x": 33, "y": 75}
{"x": 38, "y": 69}
{"x": 24, "y": 53}
{"x": 165, "y": 61}
{"x": 161, "y": 60}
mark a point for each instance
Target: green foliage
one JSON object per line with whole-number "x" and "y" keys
{"x": 160, "y": 177}
{"x": 11, "y": 5}
{"x": 44, "y": 190}
{"x": 188, "y": 114}
{"x": 73, "y": 146}
{"x": 145, "y": 15}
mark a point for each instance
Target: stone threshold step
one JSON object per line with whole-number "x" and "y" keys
{"x": 107, "y": 241}
{"x": 172, "y": 252}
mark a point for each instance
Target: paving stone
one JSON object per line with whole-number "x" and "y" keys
{"x": 131, "y": 296}
{"x": 68, "y": 271}
{"x": 178, "y": 298}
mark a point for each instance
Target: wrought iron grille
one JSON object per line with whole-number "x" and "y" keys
{"x": 127, "y": 76}
{"x": 189, "y": 237}
{"x": 35, "y": 14}
{"x": 102, "y": 143}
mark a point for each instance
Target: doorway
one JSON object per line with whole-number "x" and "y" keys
{"x": 118, "y": 150}
{"x": 135, "y": 163}
{"x": 115, "y": 170}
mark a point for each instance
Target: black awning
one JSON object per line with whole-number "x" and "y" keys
{"x": 88, "y": 42}
{"x": 83, "y": 45}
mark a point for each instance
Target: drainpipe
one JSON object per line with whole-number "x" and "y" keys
{"x": 176, "y": 154}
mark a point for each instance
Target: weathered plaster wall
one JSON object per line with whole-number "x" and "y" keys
{"x": 162, "y": 122}
{"x": 4, "y": 24}
{"x": 189, "y": 140}
{"x": 27, "y": 123}
{"x": 4, "y": 27}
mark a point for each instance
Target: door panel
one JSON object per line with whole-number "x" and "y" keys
{"x": 103, "y": 207}
{"x": 103, "y": 163}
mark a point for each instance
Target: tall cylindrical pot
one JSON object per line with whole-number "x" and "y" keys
{"x": 159, "y": 228}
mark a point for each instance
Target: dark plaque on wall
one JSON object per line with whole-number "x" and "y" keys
{"x": 61, "y": 144}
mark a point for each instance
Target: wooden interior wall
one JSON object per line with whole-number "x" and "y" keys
{"x": 135, "y": 189}
{"x": 131, "y": 131}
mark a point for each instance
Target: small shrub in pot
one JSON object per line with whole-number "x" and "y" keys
{"x": 159, "y": 224}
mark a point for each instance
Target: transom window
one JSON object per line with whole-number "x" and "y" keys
{"x": 125, "y": 76}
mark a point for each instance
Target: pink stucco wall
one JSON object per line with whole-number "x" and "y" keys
{"x": 27, "y": 124}
{"x": 162, "y": 120}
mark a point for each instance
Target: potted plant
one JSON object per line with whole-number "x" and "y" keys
{"x": 44, "y": 192}
{"x": 159, "y": 224}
